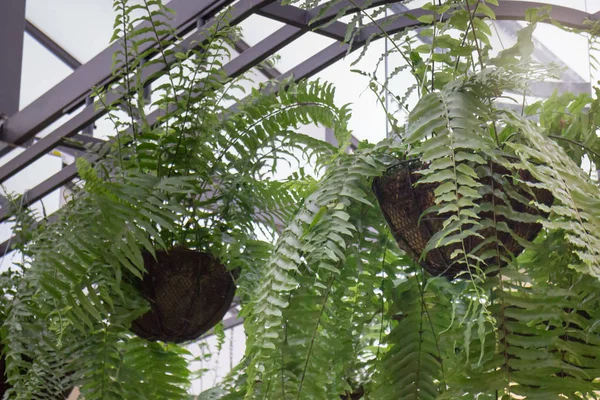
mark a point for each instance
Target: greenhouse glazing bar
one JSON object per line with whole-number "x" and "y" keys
{"x": 12, "y": 26}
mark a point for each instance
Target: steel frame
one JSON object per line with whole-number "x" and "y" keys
{"x": 12, "y": 26}
{"x": 73, "y": 90}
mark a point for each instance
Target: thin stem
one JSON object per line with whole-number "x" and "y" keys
{"x": 162, "y": 53}
{"x": 385, "y": 35}
{"x": 575, "y": 143}
{"x": 314, "y": 335}
{"x": 118, "y": 135}
{"x": 418, "y": 368}
{"x": 501, "y": 284}
{"x": 125, "y": 18}
{"x": 433, "y": 333}
{"x": 474, "y": 32}
{"x": 432, "y": 52}
{"x": 465, "y": 38}
{"x": 382, "y": 298}
{"x": 188, "y": 102}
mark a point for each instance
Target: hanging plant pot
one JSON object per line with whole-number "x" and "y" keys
{"x": 355, "y": 394}
{"x": 403, "y": 204}
{"x": 189, "y": 293}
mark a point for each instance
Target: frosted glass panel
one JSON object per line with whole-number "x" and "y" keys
{"x": 82, "y": 27}
{"x": 41, "y": 70}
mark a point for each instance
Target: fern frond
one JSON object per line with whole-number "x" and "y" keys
{"x": 447, "y": 130}
{"x": 578, "y": 198}
{"x": 313, "y": 247}
{"x": 413, "y": 366}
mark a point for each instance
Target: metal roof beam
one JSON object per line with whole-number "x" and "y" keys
{"x": 240, "y": 11}
{"x": 238, "y": 65}
{"x": 12, "y": 27}
{"x": 76, "y": 87}
{"x": 268, "y": 71}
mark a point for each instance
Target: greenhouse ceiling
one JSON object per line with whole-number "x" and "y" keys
{"x": 63, "y": 117}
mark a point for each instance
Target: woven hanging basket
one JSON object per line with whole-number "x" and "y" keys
{"x": 403, "y": 203}
{"x": 356, "y": 394}
{"x": 189, "y": 293}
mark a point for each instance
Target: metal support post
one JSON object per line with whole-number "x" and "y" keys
{"x": 12, "y": 28}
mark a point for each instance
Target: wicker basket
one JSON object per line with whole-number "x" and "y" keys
{"x": 403, "y": 203}
{"x": 189, "y": 293}
{"x": 356, "y": 394}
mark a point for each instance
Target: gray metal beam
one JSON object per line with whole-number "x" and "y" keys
{"x": 300, "y": 18}
{"x": 268, "y": 71}
{"x": 547, "y": 88}
{"x": 239, "y": 12}
{"x": 239, "y": 65}
{"x": 12, "y": 27}
{"x": 73, "y": 90}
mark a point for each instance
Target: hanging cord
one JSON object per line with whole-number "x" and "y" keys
{"x": 387, "y": 82}
{"x": 231, "y": 349}
{"x": 589, "y": 51}
{"x": 589, "y": 38}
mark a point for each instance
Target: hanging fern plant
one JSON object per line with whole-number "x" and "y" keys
{"x": 164, "y": 226}
{"x": 492, "y": 289}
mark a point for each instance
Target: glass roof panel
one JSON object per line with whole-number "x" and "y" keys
{"x": 83, "y": 28}
{"x": 301, "y": 49}
{"x": 255, "y": 28}
{"x": 41, "y": 70}
{"x": 368, "y": 118}
{"x": 575, "y": 55}
{"x": 593, "y": 6}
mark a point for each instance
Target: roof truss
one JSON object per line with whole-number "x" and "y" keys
{"x": 192, "y": 16}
